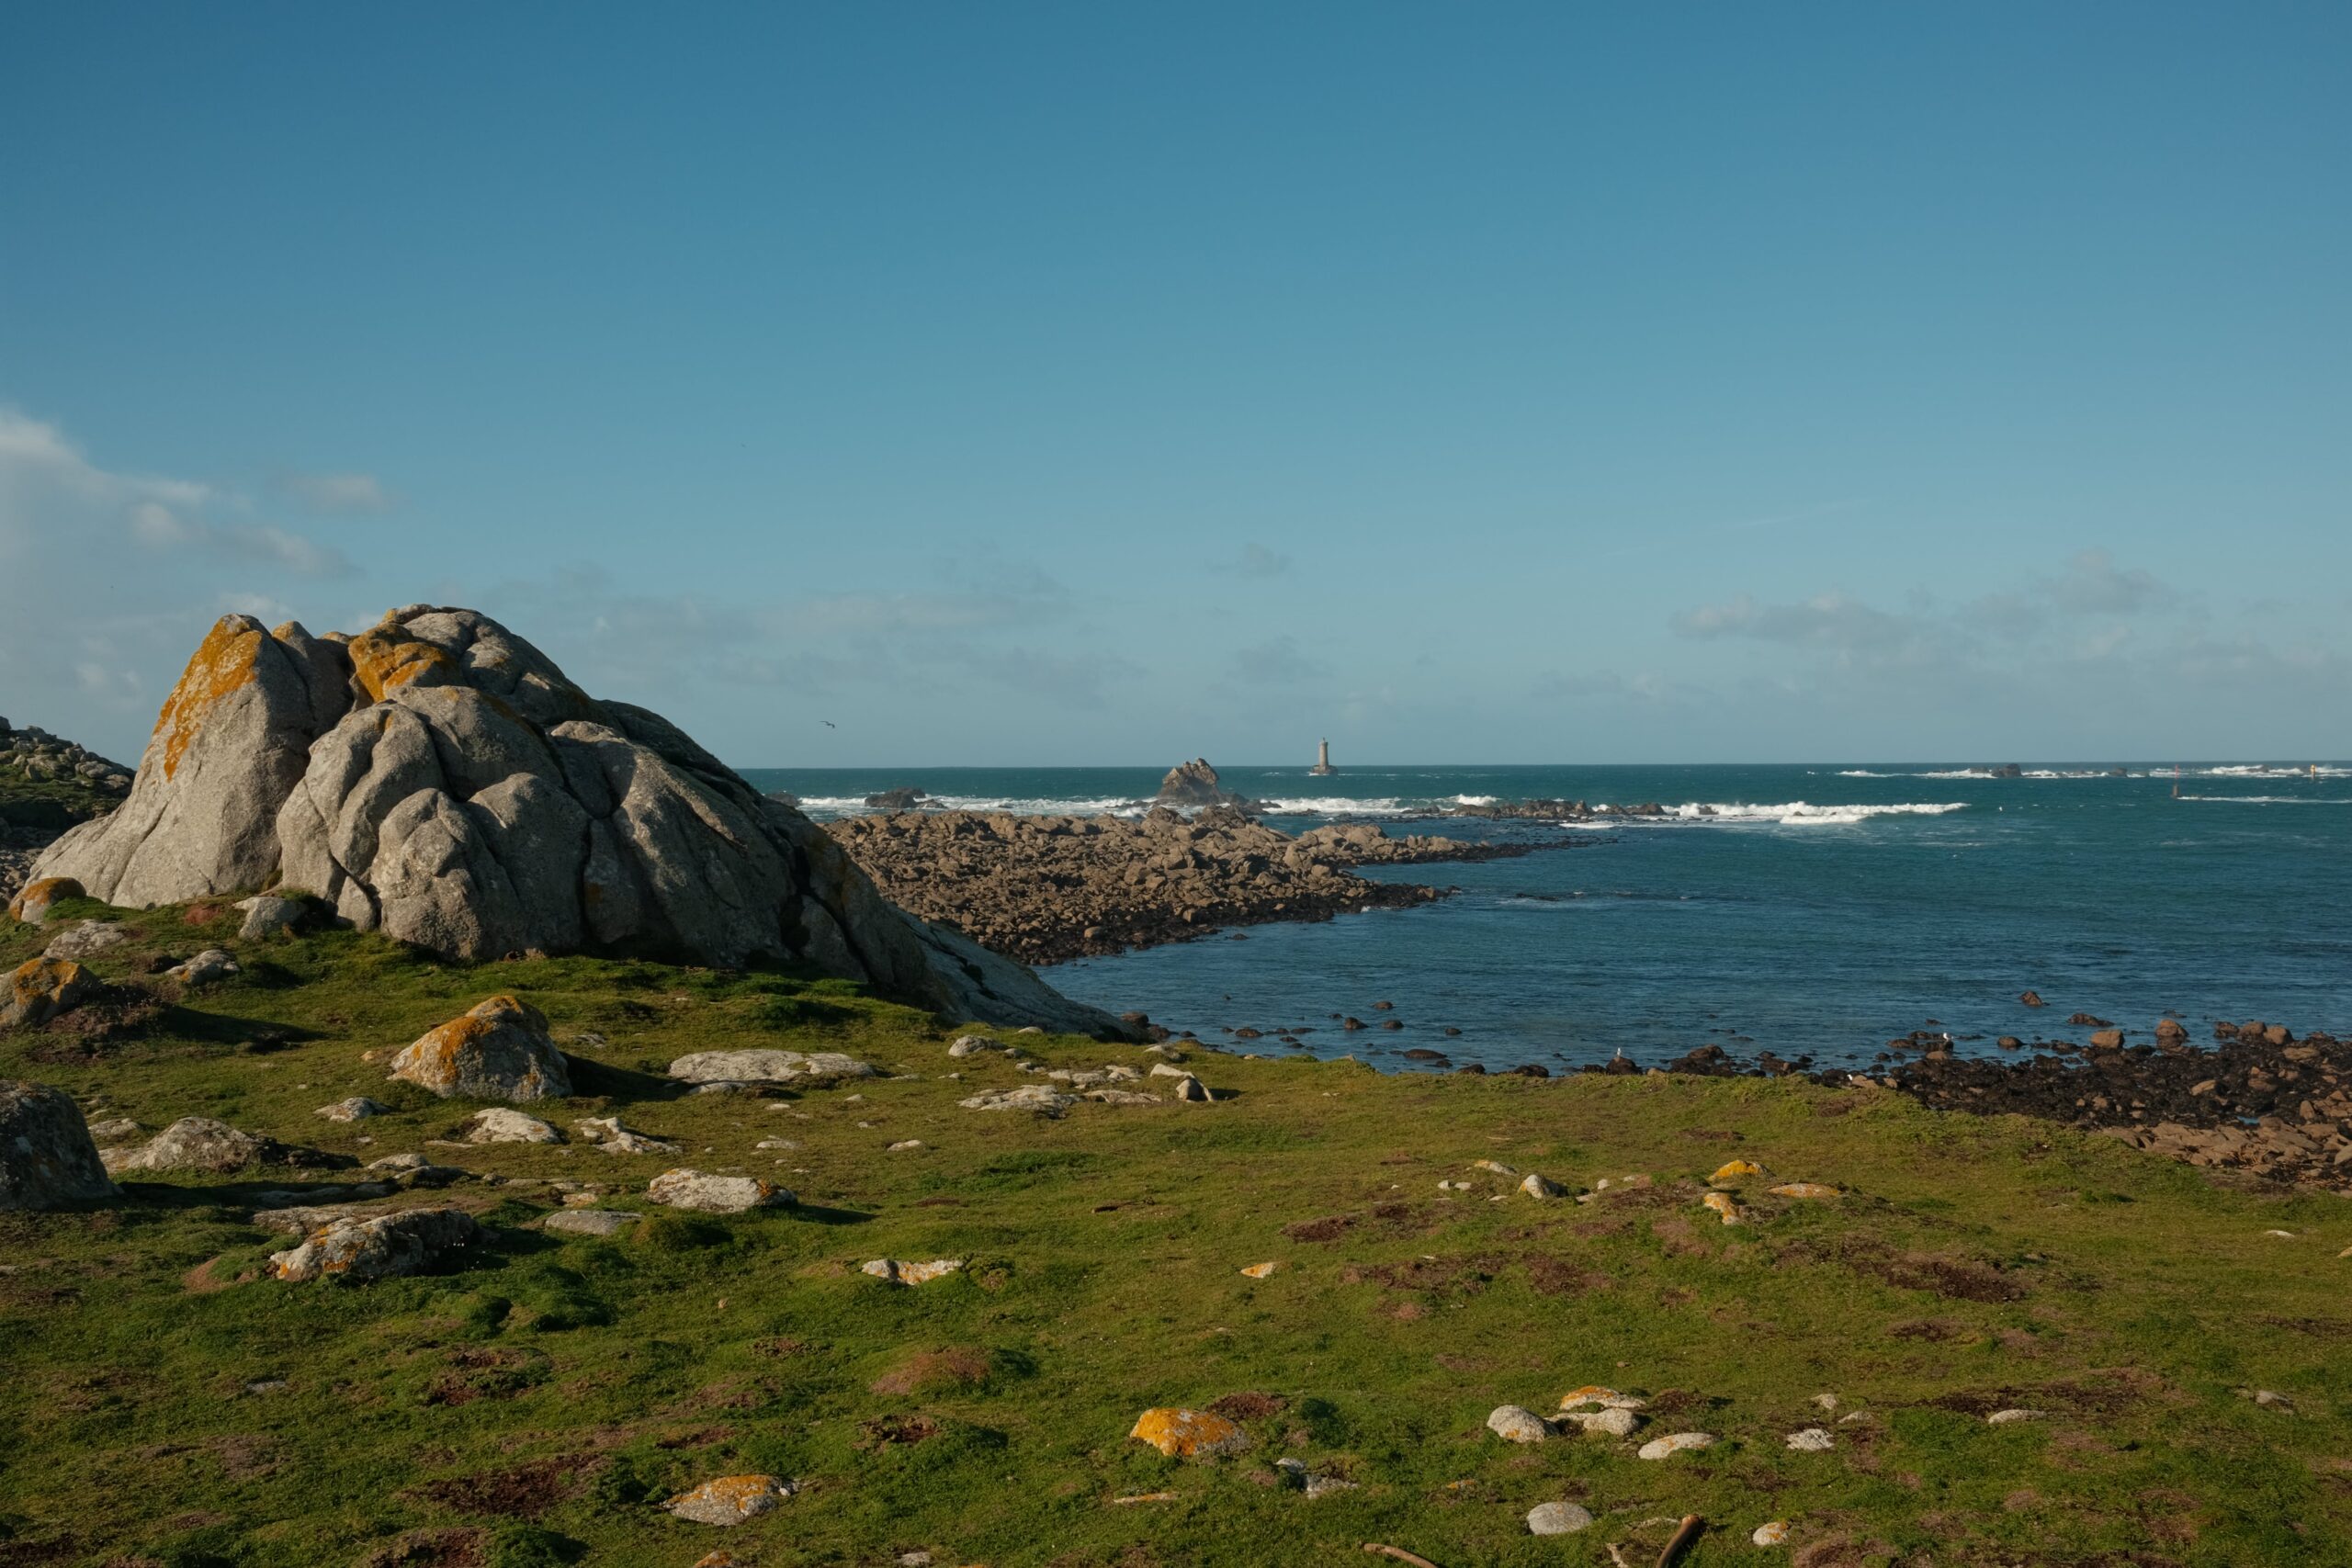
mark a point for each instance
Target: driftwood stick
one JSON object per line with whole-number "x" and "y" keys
{"x": 1399, "y": 1554}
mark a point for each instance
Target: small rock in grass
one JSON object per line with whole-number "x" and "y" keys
{"x": 608, "y": 1133}
{"x": 501, "y": 1124}
{"x": 1496, "y": 1168}
{"x": 1189, "y": 1434}
{"x": 901, "y": 1273}
{"x": 211, "y": 965}
{"x": 972, "y": 1045}
{"x": 731, "y": 1499}
{"x": 2007, "y": 1417}
{"x": 1773, "y": 1534}
{"x": 194, "y": 1143}
{"x": 588, "y": 1221}
{"x": 47, "y": 1161}
{"x": 1028, "y": 1097}
{"x": 115, "y": 1130}
{"x": 1447, "y": 1184}
{"x": 359, "y": 1107}
{"x": 379, "y": 1247}
{"x": 41, "y": 989}
{"x": 1827, "y": 1400}
{"x": 1722, "y": 1204}
{"x": 775, "y": 1143}
{"x": 1675, "y": 1443}
{"x": 1734, "y": 1171}
{"x": 2271, "y": 1400}
{"x": 1557, "y": 1518}
{"x": 904, "y": 1146}
{"x": 1260, "y": 1270}
{"x": 1517, "y": 1423}
{"x": 1538, "y": 1185}
{"x": 1616, "y": 1422}
{"x": 805, "y": 1067}
{"x": 266, "y": 915}
{"x": 1600, "y": 1398}
{"x": 716, "y": 1194}
{"x": 498, "y": 1049}
{"x": 1804, "y": 1189}
{"x": 84, "y": 939}
{"x": 1812, "y": 1440}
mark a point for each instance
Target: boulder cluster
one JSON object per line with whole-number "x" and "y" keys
{"x": 35, "y": 756}
{"x": 1043, "y": 889}
{"x": 2261, "y": 1101}
{"x": 439, "y": 779}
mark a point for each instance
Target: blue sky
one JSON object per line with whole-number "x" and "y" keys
{"x": 1066, "y": 384}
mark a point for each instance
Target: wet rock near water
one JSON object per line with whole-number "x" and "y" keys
{"x": 2261, "y": 1101}
{"x": 1044, "y": 890}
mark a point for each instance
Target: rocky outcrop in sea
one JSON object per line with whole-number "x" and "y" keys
{"x": 439, "y": 779}
{"x": 1044, "y": 890}
{"x": 47, "y": 784}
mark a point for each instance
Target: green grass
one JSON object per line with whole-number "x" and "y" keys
{"x": 548, "y": 1395}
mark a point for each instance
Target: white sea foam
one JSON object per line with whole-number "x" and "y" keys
{"x": 855, "y": 805}
{"x": 1335, "y": 805}
{"x": 1864, "y": 774}
{"x": 1804, "y": 814}
{"x": 2270, "y": 799}
{"x": 2266, "y": 770}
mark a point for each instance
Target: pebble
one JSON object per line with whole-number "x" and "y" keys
{"x": 1812, "y": 1440}
{"x": 2007, "y": 1417}
{"x": 1495, "y": 1167}
{"x": 1600, "y": 1398}
{"x": 1260, "y": 1270}
{"x": 1517, "y": 1423}
{"x": 2272, "y": 1400}
{"x": 903, "y": 1145}
{"x": 1557, "y": 1518}
{"x": 1827, "y": 1400}
{"x": 1774, "y": 1534}
{"x": 359, "y": 1107}
{"x": 1446, "y": 1184}
{"x": 1675, "y": 1443}
{"x": 1804, "y": 1189}
{"x": 1538, "y": 1185}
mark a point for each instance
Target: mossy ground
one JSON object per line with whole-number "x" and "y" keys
{"x": 533, "y": 1406}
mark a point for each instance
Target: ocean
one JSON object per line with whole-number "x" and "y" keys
{"x": 1817, "y": 912}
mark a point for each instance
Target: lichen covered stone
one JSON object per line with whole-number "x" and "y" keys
{"x": 1189, "y": 1434}
{"x": 498, "y": 1049}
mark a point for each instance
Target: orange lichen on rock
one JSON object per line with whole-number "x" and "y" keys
{"x": 730, "y": 1499}
{"x": 223, "y": 662}
{"x": 1189, "y": 1434}
{"x": 383, "y": 662}
{"x": 1804, "y": 1189}
{"x": 1722, "y": 1204}
{"x": 31, "y": 904}
{"x": 1734, "y": 1171}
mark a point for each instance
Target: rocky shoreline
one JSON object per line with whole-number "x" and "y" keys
{"x": 47, "y": 784}
{"x": 2260, "y": 1100}
{"x": 1046, "y": 889}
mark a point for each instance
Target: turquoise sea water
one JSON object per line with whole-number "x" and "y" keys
{"x": 1820, "y": 909}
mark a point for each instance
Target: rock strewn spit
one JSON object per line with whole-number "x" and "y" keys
{"x": 2261, "y": 1101}
{"x": 1043, "y": 889}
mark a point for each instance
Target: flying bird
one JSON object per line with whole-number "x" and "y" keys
{"x": 829, "y": 724}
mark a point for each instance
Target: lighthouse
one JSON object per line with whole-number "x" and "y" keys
{"x": 1323, "y": 760}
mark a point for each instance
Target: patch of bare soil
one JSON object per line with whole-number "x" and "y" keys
{"x": 522, "y": 1492}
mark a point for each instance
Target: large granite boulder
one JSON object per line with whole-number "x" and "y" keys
{"x": 496, "y": 1050}
{"x": 439, "y": 779}
{"x": 233, "y": 738}
{"x": 47, "y": 1161}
